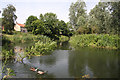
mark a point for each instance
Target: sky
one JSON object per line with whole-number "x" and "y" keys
{"x": 25, "y": 8}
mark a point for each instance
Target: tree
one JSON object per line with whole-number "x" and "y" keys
{"x": 51, "y": 25}
{"x": 41, "y": 17}
{"x": 9, "y": 18}
{"x": 77, "y": 14}
{"x": 115, "y": 12}
{"x": 93, "y": 24}
{"x": 38, "y": 27}
{"x": 0, "y": 24}
{"x": 63, "y": 28}
{"x": 101, "y": 15}
{"x": 29, "y": 22}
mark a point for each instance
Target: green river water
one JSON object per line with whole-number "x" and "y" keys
{"x": 66, "y": 62}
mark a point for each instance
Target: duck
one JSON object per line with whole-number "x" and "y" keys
{"x": 38, "y": 71}
{"x": 32, "y": 69}
{"x": 41, "y": 72}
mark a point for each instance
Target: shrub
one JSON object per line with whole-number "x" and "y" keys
{"x": 96, "y": 40}
{"x": 63, "y": 38}
{"x": 43, "y": 46}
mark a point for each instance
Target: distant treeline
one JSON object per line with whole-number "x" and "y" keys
{"x": 103, "y": 18}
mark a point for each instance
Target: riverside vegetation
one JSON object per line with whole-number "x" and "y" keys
{"x": 43, "y": 44}
{"x": 96, "y": 40}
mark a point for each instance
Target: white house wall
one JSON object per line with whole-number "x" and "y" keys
{"x": 17, "y": 27}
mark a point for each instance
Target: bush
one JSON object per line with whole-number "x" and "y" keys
{"x": 7, "y": 54}
{"x": 95, "y": 40}
{"x": 63, "y": 38}
{"x": 43, "y": 46}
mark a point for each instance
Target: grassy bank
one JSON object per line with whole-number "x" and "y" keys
{"x": 43, "y": 45}
{"x": 21, "y": 37}
{"x": 96, "y": 40}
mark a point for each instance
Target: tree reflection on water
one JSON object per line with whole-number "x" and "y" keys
{"x": 98, "y": 63}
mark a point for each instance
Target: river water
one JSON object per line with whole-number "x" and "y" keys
{"x": 66, "y": 62}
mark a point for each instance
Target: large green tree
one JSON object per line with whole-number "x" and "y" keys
{"x": 29, "y": 22}
{"x": 101, "y": 15}
{"x": 52, "y": 29}
{"x": 63, "y": 28}
{"x": 39, "y": 27}
{"x": 48, "y": 25}
{"x": 77, "y": 14}
{"x": 9, "y": 18}
{"x": 115, "y": 12}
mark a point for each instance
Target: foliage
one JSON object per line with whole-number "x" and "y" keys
{"x": 103, "y": 18}
{"x": 101, "y": 15}
{"x": 38, "y": 27}
{"x": 29, "y": 21}
{"x": 10, "y": 73}
{"x": 77, "y": 14}
{"x": 115, "y": 12}
{"x": 95, "y": 40}
{"x": 52, "y": 30}
{"x": 63, "y": 38}
{"x": 7, "y": 54}
{"x": 9, "y": 18}
{"x": 43, "y": 46}
{"x": 20, "y": 37}
{"x": 49, "y": 25}
{"x": 63, "y": 28}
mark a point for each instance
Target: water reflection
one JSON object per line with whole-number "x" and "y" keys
{"x": 67, "y": 63}
{"x": 19, "y": 53}
{"x": 97, "y": 63}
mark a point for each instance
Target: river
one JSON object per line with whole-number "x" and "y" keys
{"x": 66, "y": 62}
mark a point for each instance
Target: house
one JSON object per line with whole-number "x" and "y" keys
{"x": 20, "y": 27}
{"x": 3, "y": 28}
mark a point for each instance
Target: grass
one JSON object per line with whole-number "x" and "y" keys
{"x": 22, "y": 37}
{"x": 96, "y": 40}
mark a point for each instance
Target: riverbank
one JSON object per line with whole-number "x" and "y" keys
{"x": 42, "y": 44}
{"x": 21, "y": 37}
{"x": 95, "y": 40}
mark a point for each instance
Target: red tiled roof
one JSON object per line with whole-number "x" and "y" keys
{"x": 22, "y": 25}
